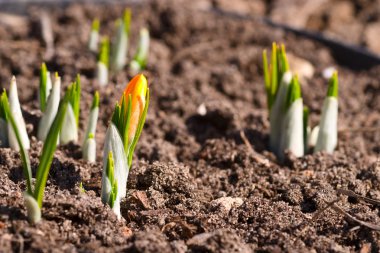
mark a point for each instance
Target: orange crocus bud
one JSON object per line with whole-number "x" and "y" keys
{"x": 136, "y": 89}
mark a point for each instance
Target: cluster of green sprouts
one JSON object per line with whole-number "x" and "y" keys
{"x": 113, "y": 56}
{"x": 60, "y": 118}
{"x": 288, "y": 117}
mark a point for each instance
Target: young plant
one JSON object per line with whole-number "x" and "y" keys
{"x": 277, "y": 80}
{"x": 120, "y": 44}
{"x": 51, "y": 109}
{"x": 3, "y": 126}
{"x": 103, "y": 62}
{"x": 292, "y": 136}
{"x": 33, "y": 196}
{"x": 141, "y": 57}
{"x": 288, "y": 118}
{"x": 89, "y": 143}
{"x": 15, "y": 109}
{"x": 328, "y": 126}
{"x": 94, "y": 36}
{"x": 70, "y": 125}
{"x": 45, "y": 86}
{"x": 122, "y": 136}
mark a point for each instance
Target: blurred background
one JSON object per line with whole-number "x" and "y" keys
{"x": 354, "y": 22}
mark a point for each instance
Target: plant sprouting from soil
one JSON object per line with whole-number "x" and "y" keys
{"x": 15, "y": 109}
{"x": 121, "y": 42}
{"x": 94, "y": 36}
{"x": 328, "y": 127}
{"x": 103, "y": 62}
{"x": 89, "y": 143}
{"x": 51, "y": 109}
{"x": 70, "y": 125}
{"x": 122, "y": 136}
{"x": 288, "y": 118}
{"x": 3, "y": 126}
{"x": 141, "y": 57}
{"x": 33, "y": 196}
{"x": 45, "y": 86}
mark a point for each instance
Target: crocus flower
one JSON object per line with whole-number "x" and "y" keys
{"x": 122, "y": 135}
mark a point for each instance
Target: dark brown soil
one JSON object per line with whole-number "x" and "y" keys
{"x": 194, "y": 186}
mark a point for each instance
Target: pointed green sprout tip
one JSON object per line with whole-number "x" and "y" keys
{"x": 81, "y": 188}
{"x": 284, "y": 60}
{"x": 95, "y": 100}
{"x": 306, "y": 112}
{"x": 294, "y": 91}
{"x": 266, "y": 71}
{"x": 110, "y": 171}
{"x": 95, "y": 25}
{"x": 127, "y": 19}
{"x": 2, "y": 107}
{"x": 56, "y": 75}
{"x": 43, "y": 81}
{"x": 90, "y": 136}
{"x": 74, "y": 91}
{"x": 274, "y": 75}
{"x": 104, "y": 51}
{"x": 333, "y": 86}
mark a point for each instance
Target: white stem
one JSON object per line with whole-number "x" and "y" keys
{"x": 142, "y": 51}
{"x": 91, "y": 127}
{"x": 277, "y": 114}
{"x": 328, "y": 127}
{"x": 102, "y": 74}
{"x": 3, "y": 133}
{"x": 89, "y": 150}
{"x": 15, "y": 109}
{"x": 292, "y": 137}
{"x": 93, "y": 41}
{"x": 120, "y": 48}
{"x": 313, "y": 137}
{"x": 69, "y": 130}
{"x": 48, "y": 84}
{"x": 51, "y": 110}
{"x": 114, "y": 144}
{"x": 33, "y": 210}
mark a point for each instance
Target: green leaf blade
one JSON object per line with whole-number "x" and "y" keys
{"x": 48, "y": 150}
{"x": 333, "y": 85}
{"x": 42, "y": 88}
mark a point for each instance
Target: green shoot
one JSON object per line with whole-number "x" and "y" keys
{"x": 294, "y": 91}
{"x": 81, "y": 188}
{"x": 74, "y": 91}
{"x": 95, "y": 25}
{"x": 274, "y": 75}
{"x": 104, "y": 51}
{"x": 2, "y": 109}
{"x": 111, "y": 177}
{"x": 141, "y": 57}
{"x": 48, "y": 150}
{"x": 122, "y": 119}
{"x": 127, "y": 20}
{"x": 266, "y": 73}
{"x": 43, "y": 86}
{"x": 95, "y": 101}
{"x": 306, "y": 113}
{"x": 333, "y": 86}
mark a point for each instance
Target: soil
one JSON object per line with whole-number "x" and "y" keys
{"x": 351, "y": 21}
{"x": 195, "y": 186}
